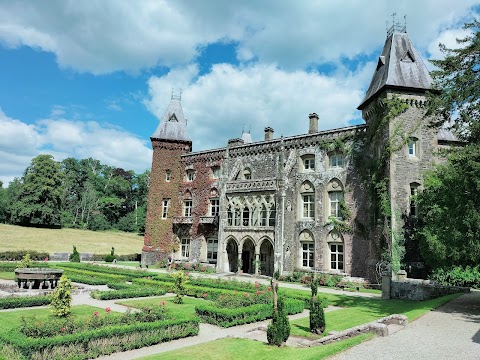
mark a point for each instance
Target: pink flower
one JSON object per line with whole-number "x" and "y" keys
{"x": 95, "y": 313}
{"x": 63, "y": 328}
{"x": 269, "y": 288}
{"x": 107, "y": 309}
{"x": 246, "y": 294}
{"x": 257, "y": 284}
{"x": 162, "y": 303}
{"x": 258, "y": 292}
{"x": 46, "y": 259}
{"x": 204, "y": 295}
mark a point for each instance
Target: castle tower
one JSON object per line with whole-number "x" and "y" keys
{"x": 169, "y": 142}
{"x": 401, "y": 78}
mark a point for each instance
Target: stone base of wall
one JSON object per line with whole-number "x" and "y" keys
{"x": 379, "y": 327}
{"x": 148, "y": 258}
{"x": 419, "y": 290}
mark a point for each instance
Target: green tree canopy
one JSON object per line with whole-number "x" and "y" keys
{"x": 40, "y": 197}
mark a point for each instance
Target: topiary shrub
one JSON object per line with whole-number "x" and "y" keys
{"x": 317, "y": 315}
{"x": 278, "y": 330}
{"x": 62, "y": 297}
{"x": 109, "y": 258}
{"x": 75, "y": 255}
{"x": 180, "y": 280}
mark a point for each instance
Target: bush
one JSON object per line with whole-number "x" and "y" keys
{"x": 278, "y": 330}
{"x": 131, "y": 292}
{"x": 75, "y": 255}
{"x": 458, "y": 276}
{"x": 180, "y": 280}
{"x": 317, "y": 317}
{"x": 18, "y": 255}
{"x": 109, "y": 258}
{"x": 26, "y": 262}
{"x": 62, "y": 297}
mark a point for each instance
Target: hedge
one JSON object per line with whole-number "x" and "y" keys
{"x": 23, "y": 301}
{"x": 132, "y": 292}
{"x": 12, "y": 265}
{"x": 127, "y": 257}
{"x": 129, "y": 274}
{"x": 104, "y": 341}
{"x": 18, "y": 255}
{"x": 225, "y": 317}
{"x": 113, "y": 278}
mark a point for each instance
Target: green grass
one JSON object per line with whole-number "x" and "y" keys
{"x": 187, "y": 309}
{"x": 367, "y": 311}
{"x": 7, "y": 275}
{"x": 62, "y": 240}
{"x": 123, "y": 263}
{"x": 239, "y": 349}
{"x": 11, "y": 319}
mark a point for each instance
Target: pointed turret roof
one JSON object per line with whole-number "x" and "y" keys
{"x": 399, "y": 66}
{"x": 173, "y": 125}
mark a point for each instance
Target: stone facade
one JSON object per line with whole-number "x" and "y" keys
{"x": 292, "y": 203}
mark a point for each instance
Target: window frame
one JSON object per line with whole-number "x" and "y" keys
{"x": 190, "y": 176}
{"x": 212, "y": 250}
{"x": 187, "y": 207}
{"x": 185, "y": 247}
{"x": 168, "y": 175}
{"x": 308, "y": 162}
{"x": 335, "y": 255}
{"x": 334, "y": 204}
{"x": 412, "y": 147}
{"x": 214, "y": 209}
{"x": 308, "y": 254}
{"x": 334, "y": 160}
{"x": 165, "y": 206}
{"x": 308, "y": 205}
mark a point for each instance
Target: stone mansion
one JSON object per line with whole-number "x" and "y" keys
{"x": 273, "y": 205}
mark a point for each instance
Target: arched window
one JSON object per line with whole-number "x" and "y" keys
{"x": 307, "y": 194}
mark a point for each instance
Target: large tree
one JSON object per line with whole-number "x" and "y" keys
{"x": 449, "y": 230}
{"x": 39, "y": 201}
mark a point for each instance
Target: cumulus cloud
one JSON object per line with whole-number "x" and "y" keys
{"x": 63, "y": 138}
{"x": 447, "y": 38}
{"x": 219, "y": 104}
{"x": 106, "y": 36}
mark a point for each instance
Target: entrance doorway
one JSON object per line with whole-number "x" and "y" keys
{"x": 232, "y": 255}
{"x": 248, "y": 255}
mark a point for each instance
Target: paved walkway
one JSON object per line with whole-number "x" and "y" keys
{"x": 450, "y": 332}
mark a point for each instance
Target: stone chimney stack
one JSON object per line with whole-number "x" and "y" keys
{"x": 313, "y": 128}
{"x": 268, "y": 133}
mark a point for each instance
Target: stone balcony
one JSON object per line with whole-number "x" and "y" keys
{"x": 251, "y": 185}
{"x": 209, "y": 220}
{"x": 182, "y": 220}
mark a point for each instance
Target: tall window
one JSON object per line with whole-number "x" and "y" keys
{"x": 229, "y": 216}
{"x": 187, "y": 208}
{"x": 308, "y": 251}
{"x": 212, "y": 250}
{"x": 335, "y": 198}
{"x": 307, "y": 197}
{"x": 412, "y": 147}
{"x": 263, "y": 216}
{"x": 165, "y": 205}
{"x": 336, "y": 160}
{"x": 237, "y": 217}
{"x": 185, "y": 247}
{"x": 308, "y": 163}
{"x": 190, "y": 175}
{"x": 413, "y": 199}
{"x": 168, "y": 175}
{"x": 214, "y": 207}
{"x": 271, "y": 217}
{"x": 246, "y": 216}
{"x": 336, "y": 256}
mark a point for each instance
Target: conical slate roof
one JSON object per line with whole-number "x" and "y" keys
{"x": 399, "y": 66}
{"x": 173, "y": 125}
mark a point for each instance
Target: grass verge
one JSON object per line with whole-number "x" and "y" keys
{"x": 187, "y": 309}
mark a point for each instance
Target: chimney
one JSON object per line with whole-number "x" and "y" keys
{"x": 268, "y": 133}
{"x": 313, "y": 128}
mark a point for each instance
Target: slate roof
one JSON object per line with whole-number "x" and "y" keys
{"x": 173, "y": 125}
{"x": 399, "y": 66}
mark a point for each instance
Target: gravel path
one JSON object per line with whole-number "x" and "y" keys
{"x": 450, "y": 332}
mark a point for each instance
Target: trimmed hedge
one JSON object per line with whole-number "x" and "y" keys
{"x": 128, "y": 257}
{"x": 104, "y": 341}
{"x": 24, "y": 301}
{"x": 128, "y": 274}
{"x": 11, "y": 266}
{"x": 225, "y": 317}
{"x": 111, "y": 277}
{"x": 132, "y": 292}
{"x": 18, "y": 255}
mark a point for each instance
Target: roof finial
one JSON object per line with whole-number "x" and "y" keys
{"x": 396, "y": 27}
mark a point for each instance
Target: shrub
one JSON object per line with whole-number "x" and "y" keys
{"x": 317, "y": 315}
{"x": 19, "y": 254}
{"x": 62, "y": 297}
{"x": 457, "y": 276}
{"x": 26, "y": 262}
{"x": 75, "y": 255}
{"x": 278, "y": 330}
{"x": 130, "y": 292}
{"x": 180, "y": 280}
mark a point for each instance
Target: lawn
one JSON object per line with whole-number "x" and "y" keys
{"x": 7, "y": 275}
{"x": 187, "y": 309}
{"x": 62, "y": 240}
{"x": 239, "y": 349}
{"x": 11, "y": 319}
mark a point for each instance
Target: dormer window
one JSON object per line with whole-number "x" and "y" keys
{"x": 336, "y": 160}
{"x": 247, "y": 174}
{"x": 190, "y": 175}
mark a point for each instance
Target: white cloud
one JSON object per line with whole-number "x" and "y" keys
{"x": 20, "y": 142}
{"x": 105, "y": 36}
{"x": 228, "y": 98}
{"x": 447, "y": 38}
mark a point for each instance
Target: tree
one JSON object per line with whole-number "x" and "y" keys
{"x": 317, "y": 315}
{"x": 457, "y": 82}
{"x": 3, "y": 204}
{"x": 278, "y": 330}
{"x": 62, "y": 297}
{"x": 449, "y": 226}
{"x": 40, "y": 198}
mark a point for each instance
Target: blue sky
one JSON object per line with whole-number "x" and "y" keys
{"x": 92, "y": 78}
